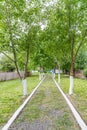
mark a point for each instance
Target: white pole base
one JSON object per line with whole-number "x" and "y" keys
{"x": 24, "y": 87}
{"x": 53, "y": 75}
{"x": 59, "y": 78}
{"x": 71, "y": 85}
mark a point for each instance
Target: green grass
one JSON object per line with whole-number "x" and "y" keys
{"x": 47, "y": 105}
{"x": 80, "y": 93}
{"x": 11, "y": 96}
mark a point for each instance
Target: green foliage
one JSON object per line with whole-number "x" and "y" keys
{"x": 80, "y": 96}
{"x": 42, "y": 59}
{"x": 81, "y": 61}
{"x": 85, "y": 72}
{"x": 6, "y": 64}
{"x": 66, "y": 66}
{"x": 21, "y": 28}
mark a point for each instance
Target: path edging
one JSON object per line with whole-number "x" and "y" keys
{"x": 15, "y": 115}
{"x": 78, "y": 118}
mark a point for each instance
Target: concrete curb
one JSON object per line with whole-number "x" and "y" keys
{"x": 80, "y": 121}
{"x": 11, "y": 120}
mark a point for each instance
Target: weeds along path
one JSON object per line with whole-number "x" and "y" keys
{"x": 47, "y": 110}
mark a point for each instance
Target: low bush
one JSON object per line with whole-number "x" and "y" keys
{"x": 85, "y": 72}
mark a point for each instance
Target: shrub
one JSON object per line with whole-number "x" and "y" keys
{"x": 85, "y": 72}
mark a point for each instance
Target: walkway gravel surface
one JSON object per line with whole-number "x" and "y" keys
{"x": 47, "y": 110}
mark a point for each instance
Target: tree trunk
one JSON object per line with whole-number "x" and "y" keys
{"x": 39, "y": 76}
{"x": 59, "y": 78}
{"x": 71, "y": 78}
{"x": 53, "y": 75}
{"x": 24, "y": 87}
{"x": 59, "y": 75}
{"x": 24, "y": 82}
{"x": 41, "y": 73}
{"x": 23, "y": 79}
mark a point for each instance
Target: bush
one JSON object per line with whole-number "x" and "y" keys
{"x": 85, "y": 72}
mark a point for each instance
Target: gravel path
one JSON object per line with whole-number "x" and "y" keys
{"x": 46, "y": 110}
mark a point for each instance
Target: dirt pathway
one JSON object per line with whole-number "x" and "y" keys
{"x": 47, "y": 110}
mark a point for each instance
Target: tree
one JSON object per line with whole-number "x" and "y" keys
{"x": 54, "y": 40}
{"x": 19, "y": 30}
{"x": 59, "y": 26}
{"x": 77, "y": 32}
{"x": 67, "y": 32}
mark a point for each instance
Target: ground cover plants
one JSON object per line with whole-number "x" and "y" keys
{"x": 79, "y": 97}
{"x": 11, "y": 96}
{"x": 47, "y": 110}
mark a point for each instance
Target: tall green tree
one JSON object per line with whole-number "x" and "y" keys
{"x": 77, "y": 32}
{"x": 19, "y": 29}
{"x": 67, "y": 32}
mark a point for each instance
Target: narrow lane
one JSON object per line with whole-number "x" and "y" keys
{"x": 47, "y": 110}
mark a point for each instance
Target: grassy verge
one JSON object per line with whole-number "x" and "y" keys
{"x": 11, "y": 96}
{"x": 80, "y": 93}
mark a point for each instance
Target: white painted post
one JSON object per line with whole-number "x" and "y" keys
{"x": 71, "y": 85}
{"x": 39, "y": 76}
{"x": 42, "y": 75}
{"x": 24, "y": 87}
{"x": 53, "y": 75}
{"x": 59, "y": 77}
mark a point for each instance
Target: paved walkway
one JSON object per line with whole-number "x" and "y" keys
{"x": 47, "y": 110}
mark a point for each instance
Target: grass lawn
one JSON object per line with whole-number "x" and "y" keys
{"x": 80, "y": 94}
{"x": 11, "y": 96}
{"x": 47, "y": 110}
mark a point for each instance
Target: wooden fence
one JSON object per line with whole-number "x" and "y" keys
{"x": 9, "y": 75}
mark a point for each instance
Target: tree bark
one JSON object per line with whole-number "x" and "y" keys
{"x": 24, "y": 87}
{"x": 73, "y": 58}
{"x": 72, "y": 42}
{"x": 26, "y": 63}
{"x": 41, "y": 73}
{"x": 24, "y": 82}
{"x": 71, "y": 76}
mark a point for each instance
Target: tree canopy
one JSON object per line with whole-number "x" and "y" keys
{"x": 55, "y": 29}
